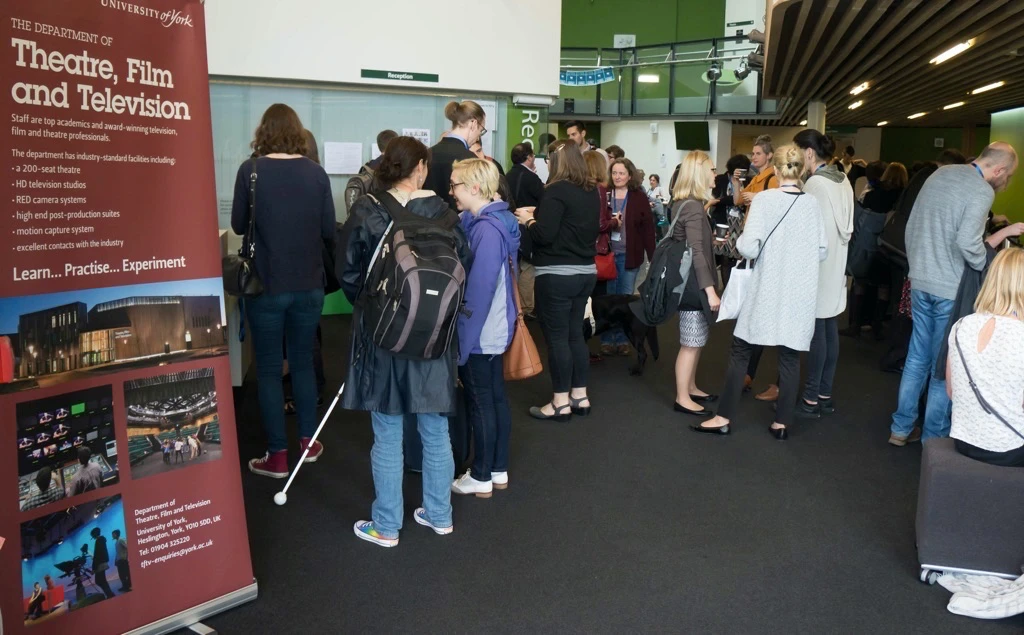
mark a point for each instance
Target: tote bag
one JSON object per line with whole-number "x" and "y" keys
{"x": 521, "y": 360}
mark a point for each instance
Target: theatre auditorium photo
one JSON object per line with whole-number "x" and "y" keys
{"x": 65, "y": 336}
{"x": 172, "y": 421}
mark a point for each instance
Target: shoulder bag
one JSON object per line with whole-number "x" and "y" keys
{"x": 521, "y": 360}
{"x": 739, "y": 280}
{"x": 985, "y": 405}
{"x": 239, "y": 270}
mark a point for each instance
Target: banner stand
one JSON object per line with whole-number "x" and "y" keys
{"x": 191, "y": 618}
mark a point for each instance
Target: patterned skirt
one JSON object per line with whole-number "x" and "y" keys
{"x": 693, "y": 329}
{"x": 728, "y": 246}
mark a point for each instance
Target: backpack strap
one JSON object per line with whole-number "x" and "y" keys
{"x": 985, "y": 405}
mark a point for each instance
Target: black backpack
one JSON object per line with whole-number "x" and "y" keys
{"x": 867, "y": 228}
{"x": 414, "y": 284}
{"x": 662, "y": 290}
{"x": 358, "y": 185}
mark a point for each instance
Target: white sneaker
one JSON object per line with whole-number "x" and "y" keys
{"x": 499, "y": 480}
{"x": 466, "y": 484}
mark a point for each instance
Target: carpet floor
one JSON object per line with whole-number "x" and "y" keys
{"x": 624, "y": 521}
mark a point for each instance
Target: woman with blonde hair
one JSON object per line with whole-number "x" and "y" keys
{"x": 563, "y": 230}
{"x": 985, "y": 368}
{"x": 700, "y": 298}
{"x": 486, "y": 327}
{"x": 468, "y": 126}
{"x": 785, "y": 237}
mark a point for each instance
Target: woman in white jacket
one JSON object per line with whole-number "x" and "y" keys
{"x": 827, "y": 184}
{"x": 785, "y": 237}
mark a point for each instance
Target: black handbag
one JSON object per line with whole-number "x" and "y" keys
{"x": 239, "y": 271}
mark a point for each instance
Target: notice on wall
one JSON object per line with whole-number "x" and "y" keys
{"x": 342, "y": 157}
{"x": 115, "y": 390}
{"x": 421, "y": 134}
{"x": 490, "y": 109}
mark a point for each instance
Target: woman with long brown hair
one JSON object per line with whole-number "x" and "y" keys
{"x": 597, "y": 167}
{"x": 632, "y": 238}
{"x": 564, "y": 229}
{"x": 294, "y": 214}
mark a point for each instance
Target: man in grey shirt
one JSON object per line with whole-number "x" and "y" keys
{"x": 945, "y": 234}
{"x": 89, "y": 476}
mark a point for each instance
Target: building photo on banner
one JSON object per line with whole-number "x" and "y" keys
{"x": 113, "y": 327}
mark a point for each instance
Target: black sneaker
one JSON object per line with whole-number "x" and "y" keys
{"x": 805, "y": 410}
{"x": 826, "y": 406}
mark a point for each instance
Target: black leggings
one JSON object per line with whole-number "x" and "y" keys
{"x": 561, "y": 305}
{"x": 1010, "y": 458}
{"x": 789, "y": 379}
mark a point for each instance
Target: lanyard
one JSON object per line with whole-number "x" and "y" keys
{"x": 615, "y": 204}
{"x": 980, "y": 173}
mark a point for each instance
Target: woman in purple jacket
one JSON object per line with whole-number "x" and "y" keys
{"x": 486, "y": 327}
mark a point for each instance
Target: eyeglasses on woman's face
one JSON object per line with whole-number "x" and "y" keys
{"x": 452, "y": 185}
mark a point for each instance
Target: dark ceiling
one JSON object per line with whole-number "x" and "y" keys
{"x": 821, "y": 49}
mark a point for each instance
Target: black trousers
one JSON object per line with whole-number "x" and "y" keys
{"x": 789, "y": 379}
{"x": 561, "y": 304}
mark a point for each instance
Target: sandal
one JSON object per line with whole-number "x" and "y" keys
{"x": 577, "y": 409}
{"x": 562, "y": 413}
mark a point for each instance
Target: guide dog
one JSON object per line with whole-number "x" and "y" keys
{"x": 612, "y": 311}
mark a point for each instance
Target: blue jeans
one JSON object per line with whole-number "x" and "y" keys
{"x": 386, "y": 462}
{"x": 272, "y": 319}
{"x": 931, "y": 315}
{"x": 623, "y": 284}
{"x": 483, "y": 378}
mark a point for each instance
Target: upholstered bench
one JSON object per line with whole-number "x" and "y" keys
{"x": 970, "y": 515}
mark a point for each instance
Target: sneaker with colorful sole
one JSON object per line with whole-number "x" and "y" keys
{"x": 421, "y": 517}
{"x": 365, "y": 530}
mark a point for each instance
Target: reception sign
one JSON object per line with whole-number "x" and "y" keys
{"x": 120, "y": 492}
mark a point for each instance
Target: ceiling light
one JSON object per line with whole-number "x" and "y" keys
{"x": 859, "y": 89}
{"x": 882, "y": 123}
{"x": 952, "y": 106}
{"x": 917, "y": 115}
{"x": 648, "y": 79}
{"x": 951, "y": 53}
{"x": 743, "y": 70}
{"x": 803, "y": 123}
{"x": 987, "y": 87}
{"x": 855, "y": 105}
{"x": 714, "y": 72}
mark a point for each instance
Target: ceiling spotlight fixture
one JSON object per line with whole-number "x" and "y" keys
{"x": 855, "y": 105}
{"x": 859, "y": 88}
{"x": 952, "y": 106}
{"x": 988, "y": 87}
{"x": 951, "y": 53}
{"x": 648, "y": 78}
{"x": 742, "y": 71}
{"x": 715, "y": 72}
{"x": 882, "y": 123}
{"x": 917, "y": 115}
{"x": 803, "y": 123}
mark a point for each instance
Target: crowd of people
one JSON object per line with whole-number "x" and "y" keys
{"x": 774, "y": 235}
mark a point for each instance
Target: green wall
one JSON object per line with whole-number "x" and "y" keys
{"x": 908, "y": 145}
{"x": 1009, "y": 126}
{"x": 594, "y": 22}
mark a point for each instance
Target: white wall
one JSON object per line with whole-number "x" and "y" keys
{"x": 470, "y": 46}
{"x": 652, "y": 153}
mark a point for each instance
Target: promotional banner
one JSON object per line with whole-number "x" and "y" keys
{"x": 587, "y": 78}
{"x": 120, "y": 491}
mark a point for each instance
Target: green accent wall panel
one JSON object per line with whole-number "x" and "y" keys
{"x": 908, "y": 145}
{"x": 593, "y": 23}
{"x": 1009, "y": 126}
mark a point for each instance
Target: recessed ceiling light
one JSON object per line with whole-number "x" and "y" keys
{"x": 951, "y": 53}
{"x": 882, "y": 123}
{"x": 855, "y": 105}
{"x": 987, "y": 87}
{"x": 803, "y": 123}
{"x": 917, "y": 115}
{"x": 952, "y": 106}
{"x": 648, "y": 79}
{"x": 860, "y": 88}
